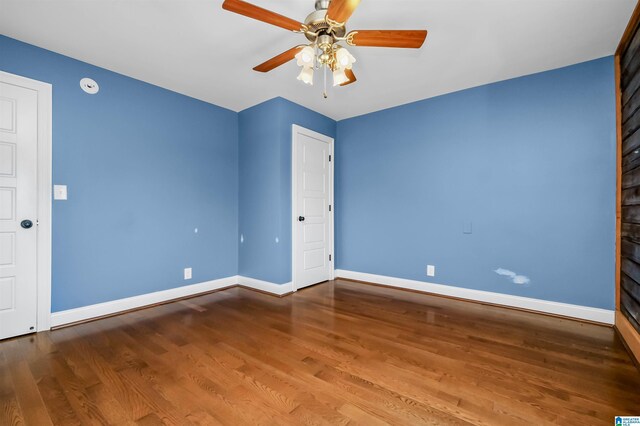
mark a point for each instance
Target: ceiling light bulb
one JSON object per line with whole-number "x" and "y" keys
{"x": 306, "y": 75}
{"x": 344, "y": 58}
{"x": 306, "y": 56}
{"x": 339, "y": 77}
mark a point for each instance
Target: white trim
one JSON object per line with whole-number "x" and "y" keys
{"x": 294, "y": 216}
{"x": 115, "y": 306}
{"x": 44, "y": 193}
{"x": 266, "y": 286}
{"x": 565, "y": 309}
{"x": 121, "y": 305}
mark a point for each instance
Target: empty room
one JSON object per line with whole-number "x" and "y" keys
{"x": 283, "y": 212}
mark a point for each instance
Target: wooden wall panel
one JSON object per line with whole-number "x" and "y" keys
{"x": 627, "y": 63}
{"x": 630, "y": 185}
{"x": 631, "y": 231}
{"x": 631, "y": 250}
{"x": 632, "y": 105}
{"x": 631, "y": 143}
{"x": 631, "y": 309}
{"x": 628, "y": 285}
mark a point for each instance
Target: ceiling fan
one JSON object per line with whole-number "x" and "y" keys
{"x": 324, "y": 29}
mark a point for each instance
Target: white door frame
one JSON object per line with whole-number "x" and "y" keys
{"x": 43, "y": 220}
{"x": 294, "y": 187}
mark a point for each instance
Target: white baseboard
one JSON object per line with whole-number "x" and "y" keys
{"x": 269, "y": 287}
{"x": 113, "y": 307}
{"x": 565, "y": 309}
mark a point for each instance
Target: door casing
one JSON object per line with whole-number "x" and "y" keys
{"x": 294, "y": 213}
{"x": 44, "y": 167}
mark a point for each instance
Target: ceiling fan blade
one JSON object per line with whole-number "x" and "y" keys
{"x": 276, "y": 61}
{"x": 264, "y": 15}
{"x": 387, "y": 38}
{"x": 351, "y": 76}
{"x": 340, "y": 10}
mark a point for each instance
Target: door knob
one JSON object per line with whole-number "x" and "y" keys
{"x": 301, "y": 218}
{"x": 26, "y": 224}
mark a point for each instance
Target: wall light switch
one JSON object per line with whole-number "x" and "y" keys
{"x": 59, "y": 192}
{"x": 187, "y": 273}
{"x": 431, "y": 271}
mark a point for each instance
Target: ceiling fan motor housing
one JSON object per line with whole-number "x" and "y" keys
{"x": 316, "y": 22}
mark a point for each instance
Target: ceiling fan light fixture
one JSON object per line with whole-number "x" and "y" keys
{"x": 306, "y": 75}
{"x": 306, "y": 57}
{"x": 339, "y": 77}
{"x": 344, "y": 59}
{"x": 325, "y": 29}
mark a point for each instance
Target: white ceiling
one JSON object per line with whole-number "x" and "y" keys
{"x": 196, "y": 48}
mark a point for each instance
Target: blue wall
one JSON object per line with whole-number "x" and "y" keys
{"x": 265, "y": 185}
{"x": 529, "y": 162}
{"x": 145, "y": 167}
{"x": 260, "y": 197}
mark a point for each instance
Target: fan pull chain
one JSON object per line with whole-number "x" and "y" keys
{"x": 325, "y": 82}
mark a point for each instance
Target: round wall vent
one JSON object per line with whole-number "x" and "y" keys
{"x": 89, "y": 86}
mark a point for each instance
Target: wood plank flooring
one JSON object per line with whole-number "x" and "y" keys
{"x": 336, "y": 353}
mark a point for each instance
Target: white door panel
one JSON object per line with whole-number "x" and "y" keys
{"x": 312, "y": 198}
{"x": 18, "y": 201}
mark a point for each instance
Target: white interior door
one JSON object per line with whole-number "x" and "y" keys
{"x": 312, "y": 207}
{"x": 18, "y": 206}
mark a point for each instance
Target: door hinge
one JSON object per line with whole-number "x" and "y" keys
{"x": 329, "y": 258}
{"x": 329, "y": 157}
{"x": 329, "y": 207}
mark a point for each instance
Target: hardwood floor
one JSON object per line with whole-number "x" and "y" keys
{"x": 336, "y": 353}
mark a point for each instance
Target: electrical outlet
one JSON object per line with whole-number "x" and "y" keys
{"x": 187, "y": 273}
{"x": 431, "y": 271}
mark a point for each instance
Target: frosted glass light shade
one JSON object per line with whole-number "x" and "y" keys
{"x": 306, "y": 57}
{"x": 339, "y": 77}
{"x": 344, "y": 59}
{"x": 306, "y": 75}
